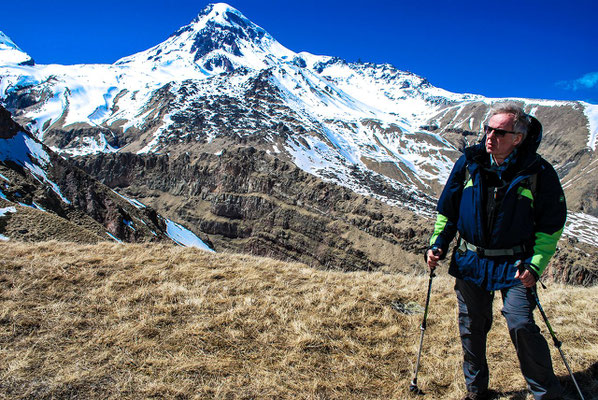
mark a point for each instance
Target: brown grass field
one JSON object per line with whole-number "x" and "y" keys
{"x": 112, "y": 321}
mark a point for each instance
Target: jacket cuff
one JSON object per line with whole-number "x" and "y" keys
{"x": 532, "y": 268}
{"x": 434, "y": 247}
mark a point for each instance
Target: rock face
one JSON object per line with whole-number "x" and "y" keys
{"x": 56, "y": 200}
{"x": 8, "y": 127}
{"x": 574, "y": 263}
{"x": 248, "y": 201}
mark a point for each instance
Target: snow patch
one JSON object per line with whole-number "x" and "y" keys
{"x": 135, "y": 203}
{"x": 184, "y": 237}
{"x": 130, "y": 224}
{"x": 7, "y": 210}
{"x": 35, "y": 205}
{"x": 583, "y": 227}
{"x": 114, "y": 237}
{"x": 591, "y": 112}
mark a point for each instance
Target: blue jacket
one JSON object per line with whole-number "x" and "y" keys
{"x": 523, "y": 216}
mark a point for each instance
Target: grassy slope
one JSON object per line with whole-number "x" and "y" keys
{"x": 142, "y": 321}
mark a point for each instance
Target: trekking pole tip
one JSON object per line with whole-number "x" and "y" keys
{"x": 414, "y": 389}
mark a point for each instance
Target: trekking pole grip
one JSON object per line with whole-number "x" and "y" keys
{"x": 436, "y": 252}
{"x": 520, "y": 266}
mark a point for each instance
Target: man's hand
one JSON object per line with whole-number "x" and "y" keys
{"x": 433, "y": 258}
{"x": 526, "y": 278}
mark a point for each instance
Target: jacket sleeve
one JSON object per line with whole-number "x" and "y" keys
{"x": 448, "y": 208}
{"x": 550, "y": 214}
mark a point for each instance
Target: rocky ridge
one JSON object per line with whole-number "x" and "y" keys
{"x": 248, "y": 201}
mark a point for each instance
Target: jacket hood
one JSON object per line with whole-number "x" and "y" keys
{"x": 534, "y": 137}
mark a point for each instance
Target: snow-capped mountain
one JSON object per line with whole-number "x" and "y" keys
{"x": 222, "y": 81}
{"x": 342, "y": 117}
{"x": 11, "y": 54}
{"x": 219, "y": 39}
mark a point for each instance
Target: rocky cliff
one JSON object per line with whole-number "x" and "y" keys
{"x": 248, "y": 201}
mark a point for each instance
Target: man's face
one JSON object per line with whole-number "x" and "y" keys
{"x": 501, "y": 146}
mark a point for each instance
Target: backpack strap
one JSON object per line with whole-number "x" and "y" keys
{"x": 466, "y": 181}
{"x": 533, "y": 184}
{"x": 529, "y": 188}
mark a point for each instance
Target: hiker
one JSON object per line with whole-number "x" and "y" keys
{"x": 507, "y": 204}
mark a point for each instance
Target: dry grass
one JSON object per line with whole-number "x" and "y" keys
{"x": 29, "y": 224}
{"x": 155, "y": 321}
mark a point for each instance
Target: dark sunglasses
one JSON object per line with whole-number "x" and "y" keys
{"x": 497, "y": 132}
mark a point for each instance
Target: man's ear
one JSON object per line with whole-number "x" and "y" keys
{"x": 518, "y": 139}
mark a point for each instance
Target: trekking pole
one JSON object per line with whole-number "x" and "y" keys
{"x": 557, "y": 343}
{"x": 413, "y": 386}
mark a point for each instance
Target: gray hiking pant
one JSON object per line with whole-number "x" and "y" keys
{"x": 475, "y": 320}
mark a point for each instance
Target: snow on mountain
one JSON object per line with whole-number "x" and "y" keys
{"x": 184, "y": 237}
{"x": 355, "y": 115}
{"x": 591, "y": 111}
{"x": 24, "y": 151}
{"x": 583, "y": 227}
{"x": 219, "y": 39}
{"x": 222, "y": 76}
{"x": 11, "y": 54}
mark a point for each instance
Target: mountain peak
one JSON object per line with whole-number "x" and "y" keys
{"x": 222, "y": 27}
{"x": 11, "y": 54}
{"x": 219, "y": 39}
{"x": 218, "y": 12}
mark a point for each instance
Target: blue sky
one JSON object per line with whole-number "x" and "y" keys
{"x": 525, "y": 48}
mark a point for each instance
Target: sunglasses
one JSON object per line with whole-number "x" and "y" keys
{"x": 497, "y": 132}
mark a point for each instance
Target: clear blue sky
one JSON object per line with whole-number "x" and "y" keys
{"x": 525, "y": 48}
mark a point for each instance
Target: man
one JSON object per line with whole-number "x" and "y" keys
{"x": 507, "y": 204}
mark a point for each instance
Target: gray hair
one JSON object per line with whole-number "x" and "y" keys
{"x": 521, "y": 121}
